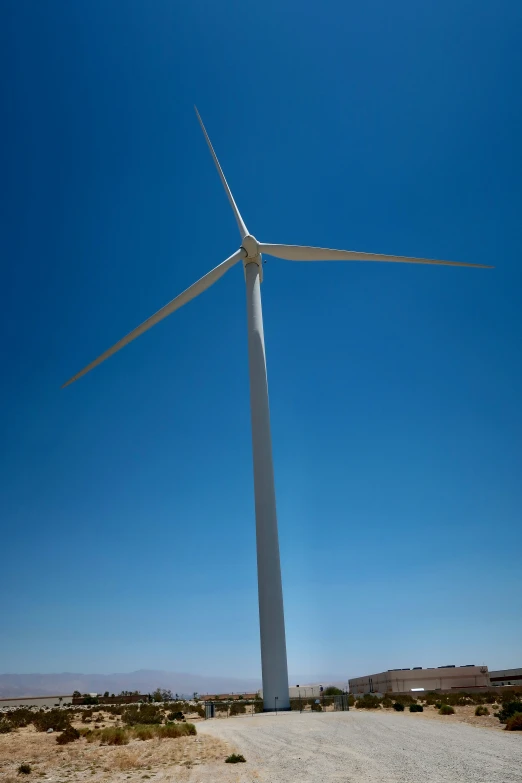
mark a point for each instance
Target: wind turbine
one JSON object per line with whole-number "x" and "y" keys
{"x": 271, "y": 614}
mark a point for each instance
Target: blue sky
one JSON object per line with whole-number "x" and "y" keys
{"x": 126, "y": 499}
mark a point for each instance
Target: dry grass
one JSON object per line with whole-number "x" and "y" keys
{"x": 91, "y": 762}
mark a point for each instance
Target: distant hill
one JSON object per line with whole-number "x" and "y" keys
{"x": 143, "y": 680}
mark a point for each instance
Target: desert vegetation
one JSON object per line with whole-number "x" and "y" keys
{"x": 235, "y": 758}
{"x": 368, "y": 702}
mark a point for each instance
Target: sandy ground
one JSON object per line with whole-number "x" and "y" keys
{"x": 367, "y": 746}
{"x": 360, "y": 746}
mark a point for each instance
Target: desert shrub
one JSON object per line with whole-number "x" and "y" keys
{"x": 296, "y": 704}
{"x": 70, "y": 734}
{"x": 85, "y": 732}
{"x": 218, "y": 706}
{"x": 113, "y": 736}
{"x": 332, "y": 691}
{"x": 237, "y": 709}
{"x": 176, "y": 715}
{"x": 199, "y": 710}
{"x": 144, "y": 732}
{"x": 416, "y": 708}
{"x": 24, "y": 769}
{"x": 368, "y": 702}
{"x": 490, "y": 698}
{"x": 457, "y": 699}
{"x": 87, "y": 716}
{"x": 20, "y": 717}
{"x": 446, "y": 709}
{"x": 513, "y": 694}
{"x": 351, "y": 700}
{"x": 175, "y": 730}
{"x": 316, "y": 707}
{"x": 480, "y": 710}
{"x": 508, "y": 710}
{"x": 515, "y": 722}
{"x": 5, "y": 726}
{"x": 58, "y": 720}
{"x": 235, "y": 759}
{"x": 147, "y": 713}
{"x": 387, "y": 702}
{"x": 403, "y": 698}
{"x": 398, "y": 706}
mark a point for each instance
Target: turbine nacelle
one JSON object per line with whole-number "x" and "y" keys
{"x": 251, "y": 246}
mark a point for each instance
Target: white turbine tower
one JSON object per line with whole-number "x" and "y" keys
{"x": 271, "y": 615}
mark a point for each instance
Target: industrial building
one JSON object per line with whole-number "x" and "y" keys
{"x": 506, "y": 677}
{"x": 442, "y": 678}
{"x": 35, "y": 701}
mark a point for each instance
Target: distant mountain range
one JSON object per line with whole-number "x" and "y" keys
{"x": 143, "y": 680}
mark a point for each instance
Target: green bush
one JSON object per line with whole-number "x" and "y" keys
{"x": 403, "y": 698}
{"x": 144, "y": 732}
{"x": 20, "y": 717}
{"x": 511, "y": 694}
{"x": 416, "y": 708}
{"x": 175, "y": 716}
{"x": 24, "y": 769}
{"x": 237, "y": 708}
{"x": 368, "y": 702}
{"x": 70, "y": 734}
{"x": 351, "y": 700}
{"x": 316, "y": 707}
{"x": 109, "y": 736}
{"x": 5, "y": 726}
{"x": 480, "y": 710}
{"x": 446, "y": 709}
{"x": 387, "y": 702}
{"x": 58, "y": 720}
{"x": 515, "y": 722}
{"x": 234, "y": 759}
{"x": 508, "y": 710}
{"x": 148, "y": 714}
{"x": 175, "y": 730}
{"x": 398, "y": 707}
{"x": 332, "y": 691}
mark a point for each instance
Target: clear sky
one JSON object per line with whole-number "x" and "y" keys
{"x": 126, "y": 500}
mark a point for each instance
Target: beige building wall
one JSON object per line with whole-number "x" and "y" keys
{"x": 35, "y": 701}
{"x": 404, "y": 680}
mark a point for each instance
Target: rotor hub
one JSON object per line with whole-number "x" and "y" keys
{"x": 251, "y": 247}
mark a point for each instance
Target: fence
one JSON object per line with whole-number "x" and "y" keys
{"x": 228, "y": 709}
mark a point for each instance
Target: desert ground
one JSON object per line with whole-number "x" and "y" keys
{"x": 360, "y": 746}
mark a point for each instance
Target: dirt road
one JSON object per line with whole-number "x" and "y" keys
{"x": 363, "y": 747}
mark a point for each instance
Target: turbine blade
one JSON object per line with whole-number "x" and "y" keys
{"x": 243, "y": 230}
{"x": 194, "y": 290}
{"x": 304, "y": 253}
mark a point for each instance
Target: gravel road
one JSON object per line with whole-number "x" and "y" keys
{"x": 364, "y": 747}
